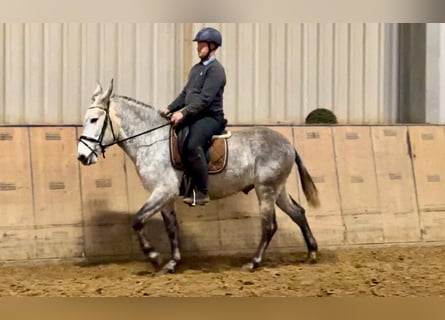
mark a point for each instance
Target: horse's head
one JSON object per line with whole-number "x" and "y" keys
{"x": 100, "y": 127}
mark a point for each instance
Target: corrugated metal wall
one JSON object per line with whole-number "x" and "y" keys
{"x": 48, "y": 70}
{"x": 277, "y": 73}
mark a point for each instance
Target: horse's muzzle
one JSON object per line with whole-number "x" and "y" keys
{"x": 86, "y": 161}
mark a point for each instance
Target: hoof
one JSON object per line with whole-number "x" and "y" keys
{"x": 155, "y": 259}
{"x": 312, "y": 257}
{"x": 250, "y": 267}
{"x": 169, "y": 268}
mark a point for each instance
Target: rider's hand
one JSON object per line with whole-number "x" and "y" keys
{"x": 177, "y": 117}
{"x": 166, "y": 114}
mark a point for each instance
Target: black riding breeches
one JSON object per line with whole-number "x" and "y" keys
{"x": 198, "y": 142}
{"x": 201, "y": 132}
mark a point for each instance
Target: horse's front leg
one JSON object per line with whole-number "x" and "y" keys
{"x": 171, "y": 226}
{"x": 157, "y": 200}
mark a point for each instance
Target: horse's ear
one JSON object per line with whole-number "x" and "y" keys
{"x": 107, "y": 94}
{"x": 98, "y": 90}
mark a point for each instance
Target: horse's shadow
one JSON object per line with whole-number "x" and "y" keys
{"x": 273, "y": 260}
{"x": 109, "y": 238}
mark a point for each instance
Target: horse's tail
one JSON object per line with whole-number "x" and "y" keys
{"x": 308, "y": 185}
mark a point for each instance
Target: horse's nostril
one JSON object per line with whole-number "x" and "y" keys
{"x": 81, "y": 157}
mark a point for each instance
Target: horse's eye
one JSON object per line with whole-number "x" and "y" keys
{"x": 93, "y": 120}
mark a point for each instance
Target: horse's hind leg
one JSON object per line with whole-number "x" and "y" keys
{"x": 297, "y": 214}
{"x": 171, "y": 226}
{"x": 266, "y": 197}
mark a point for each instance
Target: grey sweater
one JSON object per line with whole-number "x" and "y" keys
{"x": 203, "y": 92}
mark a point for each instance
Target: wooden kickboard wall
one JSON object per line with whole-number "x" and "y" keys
{"x": 377, "y": 185}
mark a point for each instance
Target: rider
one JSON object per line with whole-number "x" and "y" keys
{"x": 200, "y": 106}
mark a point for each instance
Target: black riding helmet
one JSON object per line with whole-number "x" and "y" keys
{"x": 209, "y": 35}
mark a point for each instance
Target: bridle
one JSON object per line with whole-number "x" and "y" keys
{"x": 107, "y": 122}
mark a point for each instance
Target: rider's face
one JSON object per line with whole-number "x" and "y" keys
{"x": 202, "y": 48}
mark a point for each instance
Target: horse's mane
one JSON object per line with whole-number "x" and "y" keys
{"x": 135, "y": 102}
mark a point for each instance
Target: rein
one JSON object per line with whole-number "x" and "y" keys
{"x": 138, "y": 134}
{"x": 102, "y": 133}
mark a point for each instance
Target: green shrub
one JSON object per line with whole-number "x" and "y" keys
{"x": 321, "y": 116}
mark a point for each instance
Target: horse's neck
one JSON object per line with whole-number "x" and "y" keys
{"x": 136, "y": 118}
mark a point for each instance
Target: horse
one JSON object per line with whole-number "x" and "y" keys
{"x": 259, "y": 158}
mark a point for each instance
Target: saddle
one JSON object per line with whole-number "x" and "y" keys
{"x": 216, "y": 155}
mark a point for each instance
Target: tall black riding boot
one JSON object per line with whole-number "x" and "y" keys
{"x": 199, "y": 170}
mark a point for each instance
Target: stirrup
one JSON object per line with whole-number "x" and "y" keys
{"x": 191, "y": 201}
{"x": 193, "y": 204}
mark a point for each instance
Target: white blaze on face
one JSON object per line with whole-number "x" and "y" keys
{"x": 85, "y": 147}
